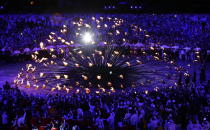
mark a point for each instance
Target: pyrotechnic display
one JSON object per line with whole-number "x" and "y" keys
{"x": 94, "y": 56}
{"x": 104, "y": 65}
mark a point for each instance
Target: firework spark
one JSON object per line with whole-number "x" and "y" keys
{"x": 63, "y": 61}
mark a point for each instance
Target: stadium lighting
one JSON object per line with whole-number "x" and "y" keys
{"x": 87, "y": 37}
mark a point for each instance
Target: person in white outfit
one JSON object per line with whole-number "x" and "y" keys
{"x": 205, "y": 125}
{"x": 110, "y": 120}
{"x": 153, "y": 123}
{"x": 134, "y": 119}
{"x": 4, "y": 117}
{"x": 100, "y": 123}
{"x": 170, "y": 125}
{"x": 80, "y": 113}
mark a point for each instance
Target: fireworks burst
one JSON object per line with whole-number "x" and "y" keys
{"x": 92, "y": 68}
{"x": 97, "y": 63}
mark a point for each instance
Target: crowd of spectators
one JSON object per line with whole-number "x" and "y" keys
{"x": 185, "y": 106}
{"x": 19, "y": 31}
{"x": 181, "y": 29}
{"x": 20, "y": 34}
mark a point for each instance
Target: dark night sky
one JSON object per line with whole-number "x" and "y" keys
{"x": 196, "y": 6}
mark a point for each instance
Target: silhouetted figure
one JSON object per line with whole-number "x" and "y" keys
{"x": 180, "y": 80}
{"x": 203, "y": 27}
{"x": 203, "y": 73}
{"x": 194, "y": 77}
{"x": 187, "y": 80}
{"x": 6, "y": 86}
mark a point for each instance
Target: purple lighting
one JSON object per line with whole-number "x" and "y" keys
{"x": 104, "y": 71}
